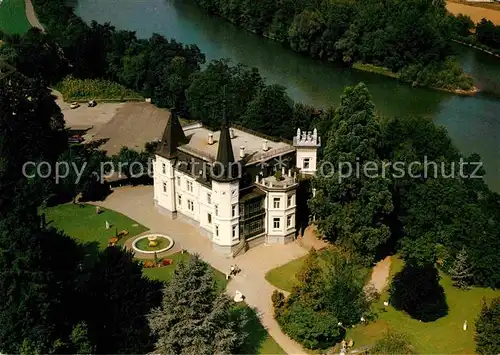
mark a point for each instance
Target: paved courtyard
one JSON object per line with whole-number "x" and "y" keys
{"x": 137, "y": 203}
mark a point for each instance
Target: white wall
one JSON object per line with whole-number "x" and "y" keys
{"x": 224, "y": 196}
{"x": 163, "y": 172}
{"x": 303, "y": 153}
{"x": 205, "y": 207}
{"x": 282, "y": 212}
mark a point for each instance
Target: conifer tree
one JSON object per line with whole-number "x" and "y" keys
{"x": 194, "y": 317}
{"x": 488, "y": 328}
{"x": 460, "y": 272}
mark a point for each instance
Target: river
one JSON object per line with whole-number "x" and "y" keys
{"x": 472, "y": 122}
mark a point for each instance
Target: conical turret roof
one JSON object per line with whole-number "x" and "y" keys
{"x": 173, "y": 136}
{"x": 225, "y": 156}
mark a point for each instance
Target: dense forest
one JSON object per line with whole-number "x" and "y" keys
{"x": 411, "y": 37}
{"x": 430, "y": 218}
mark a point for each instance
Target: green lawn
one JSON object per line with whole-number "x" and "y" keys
{"x": 259, "y": 341}
{"x": 82, "y": 223}
{"x": 444, "y": 336}
{"x": 13, "y": 17}
{"x": 283, "y": 277}
{"x": 165, "y": 273}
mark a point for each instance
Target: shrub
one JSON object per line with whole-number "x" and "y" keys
{"x": 330, "y": 291}
{"x": 393, "y": 343}
{"x": 278, "y": 299}
{"x": 311, "y": 328}
{"x": 166, "y": 262}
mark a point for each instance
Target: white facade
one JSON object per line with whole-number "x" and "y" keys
{"x": 215, "y": 206}
{"x": 307, "y": 144}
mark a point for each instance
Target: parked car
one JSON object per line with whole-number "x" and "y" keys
{"x": 92, "y": 103}
{"x": 74, "y": 105}
{"x": 75, "y": 139}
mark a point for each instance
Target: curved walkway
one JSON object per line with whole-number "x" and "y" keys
{"x": 137, "y": 203}
{"x": 380, "y": 274}
{"x": 31, "y": 15}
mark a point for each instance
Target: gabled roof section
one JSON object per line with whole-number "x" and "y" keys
{"x": 173, "y": 137}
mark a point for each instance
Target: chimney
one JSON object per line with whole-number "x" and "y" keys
{"x": 242, "y": 152}
{"x": 210, "y": 138}
{"x": 264, "y": 146}
{"x": 231, "y": 133}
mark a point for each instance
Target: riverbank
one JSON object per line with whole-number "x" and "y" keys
{"x": 477, "y": 48}
{"x": 389, "y": 73}
{"x": 306, "y": 31}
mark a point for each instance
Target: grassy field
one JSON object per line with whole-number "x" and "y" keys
{"x": 476, "y": 11}
{"x": 13, "y": 17}
{"x": 444, "y": 336}
{"x": 283, "y": 277}
{"x": 82, "y": 223}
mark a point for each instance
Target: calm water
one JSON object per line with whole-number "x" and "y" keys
{"x": 473, "y": 122}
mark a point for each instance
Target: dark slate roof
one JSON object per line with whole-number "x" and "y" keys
{"x": 225, "y": 155}
{"x": 173, "y": 137}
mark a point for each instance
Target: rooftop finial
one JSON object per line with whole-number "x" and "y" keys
{"x": 224, "y": 116}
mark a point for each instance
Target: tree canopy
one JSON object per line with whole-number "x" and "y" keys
{"x": 328, "y": 298}
{"x": 428, "y": 213}
{"x": 195, "y": 317}
{"x": 409, "y": 37}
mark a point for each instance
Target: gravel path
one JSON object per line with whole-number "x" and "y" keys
{"x": 31, "y": 15}
{"x": 137, "y": 203}
{"x": 380, "y": 274}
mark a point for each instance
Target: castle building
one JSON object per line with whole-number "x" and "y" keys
{"x": 238, "y": 186}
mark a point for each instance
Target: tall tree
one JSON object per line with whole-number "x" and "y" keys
{"x": 268, "y": 112}
{"x": 118, "y": 298}
{"x": 460, "y": 272}
{"x": 194, "y": 317}
{"x": 39, "y": 270}
{"x": 330, "y": 291}
{"x": 352, "y": 204}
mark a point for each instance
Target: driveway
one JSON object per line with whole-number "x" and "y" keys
{"x": 137, "y": 203}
